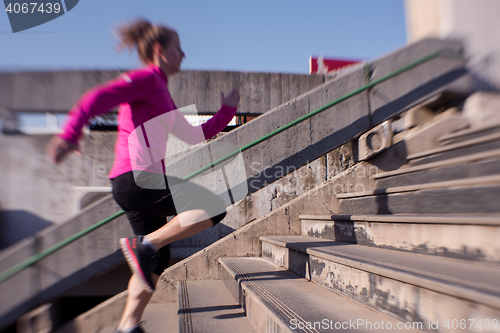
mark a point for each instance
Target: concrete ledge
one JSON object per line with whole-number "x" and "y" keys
{"x": 474, "y": 181}
{"x": 468, "y": 143}
{"x": 452, "y": 200}
{"x": 471, "y": 237}
{"x": 438, "y": 164}
{"x": 458, "y": 219}
{"x": 59, "y": 90}
{"x": 482, "y": 109}
{"x": 468, "y": 133}
{"x": 458, "y": 279}
{"x": 424, "y": 138}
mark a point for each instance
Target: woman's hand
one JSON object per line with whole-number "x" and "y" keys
{"x": 58, "y": 148}
{"x": 232, "y": 99}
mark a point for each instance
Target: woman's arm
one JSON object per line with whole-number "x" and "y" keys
{"x": 196, "y": 134}
{"x": 125, "y": 89}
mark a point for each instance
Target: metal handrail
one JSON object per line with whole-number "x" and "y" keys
{"x": 34, "y": 259}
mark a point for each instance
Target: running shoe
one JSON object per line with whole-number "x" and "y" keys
{"x": 139, "y": 259}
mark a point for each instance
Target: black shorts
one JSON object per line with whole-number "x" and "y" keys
{"x": 148, "y": 205}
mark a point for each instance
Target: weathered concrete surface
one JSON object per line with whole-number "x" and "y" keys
{"x": 418, "y": 84}
{"x": 57, "y": 91}
{"x": 207, "y": 306}
{"x": 426, "y": 176}
{"x": 454, "y": 200}
{"x": 48, "y": 91}
{"x": 484, "y": 143}
{"x": 404, "y": 301}
{"x": 254, "y": 206}
{"x": 260, "y": 92}
{"x": 32, "y": 183}
{"x": 410, "y": 287}
{"x": 425, "y": 138}
{"x": 36, "y": 189}
{"x": 470, "y": 242}
{"x": 481, "y": 167}
{"x": 106, "y": 314}
{"x": 261, "y": 202}
{"x": 468, "y": 134}
{"x": 337, "y": 125}
{"x": 375, "y": 140}
{"x": 482, "y": 109}
{"x": 278, "y": 301}
{"x": 79, "y": 261}
{"x": 416, "y": 116}
{"x": 43, "y": 319}
{"x": 157, "y": 318}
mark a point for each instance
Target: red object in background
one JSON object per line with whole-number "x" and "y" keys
{"x": 324, "y": 66}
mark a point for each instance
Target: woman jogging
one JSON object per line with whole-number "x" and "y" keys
{"x": 141, "y": 188}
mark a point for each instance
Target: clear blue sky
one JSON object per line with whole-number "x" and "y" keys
{"x": 257, "y": 35}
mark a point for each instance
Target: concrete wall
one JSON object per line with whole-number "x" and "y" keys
{"x": 58, "y": 91}
{"x": 475, "y": 22}
{"x": 32, "y": 184}
{"x": 260, "y": 92}
{"x": 65, "y": 269}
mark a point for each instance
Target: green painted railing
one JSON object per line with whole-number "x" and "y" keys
{"x": 34, "y": 259}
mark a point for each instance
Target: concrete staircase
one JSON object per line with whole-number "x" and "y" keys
{"x": 419, "y": 251}
{"x": 321, "y": 154}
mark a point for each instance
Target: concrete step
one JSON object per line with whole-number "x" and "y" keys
{"x": 469, "y": 237}
{"x": 277, "y": 300}
{"x": 491, "y": 154}
{"x": 208, "y": 307}
{"x": 475, "y": 165}
{"x": 158, "y": 317}
{"x": 468, "y": 134}
{"x": 472, "y": 146}
{"x": 409, "y": 286}
{"x": 456, "y": 183}
{"x": 456, "y": 200}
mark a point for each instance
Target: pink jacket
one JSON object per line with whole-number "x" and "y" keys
{"x": 146, "y": 116}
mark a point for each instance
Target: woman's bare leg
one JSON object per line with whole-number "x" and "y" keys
{"x": 137, "y": 300}
{"x": 183, "y": 225}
